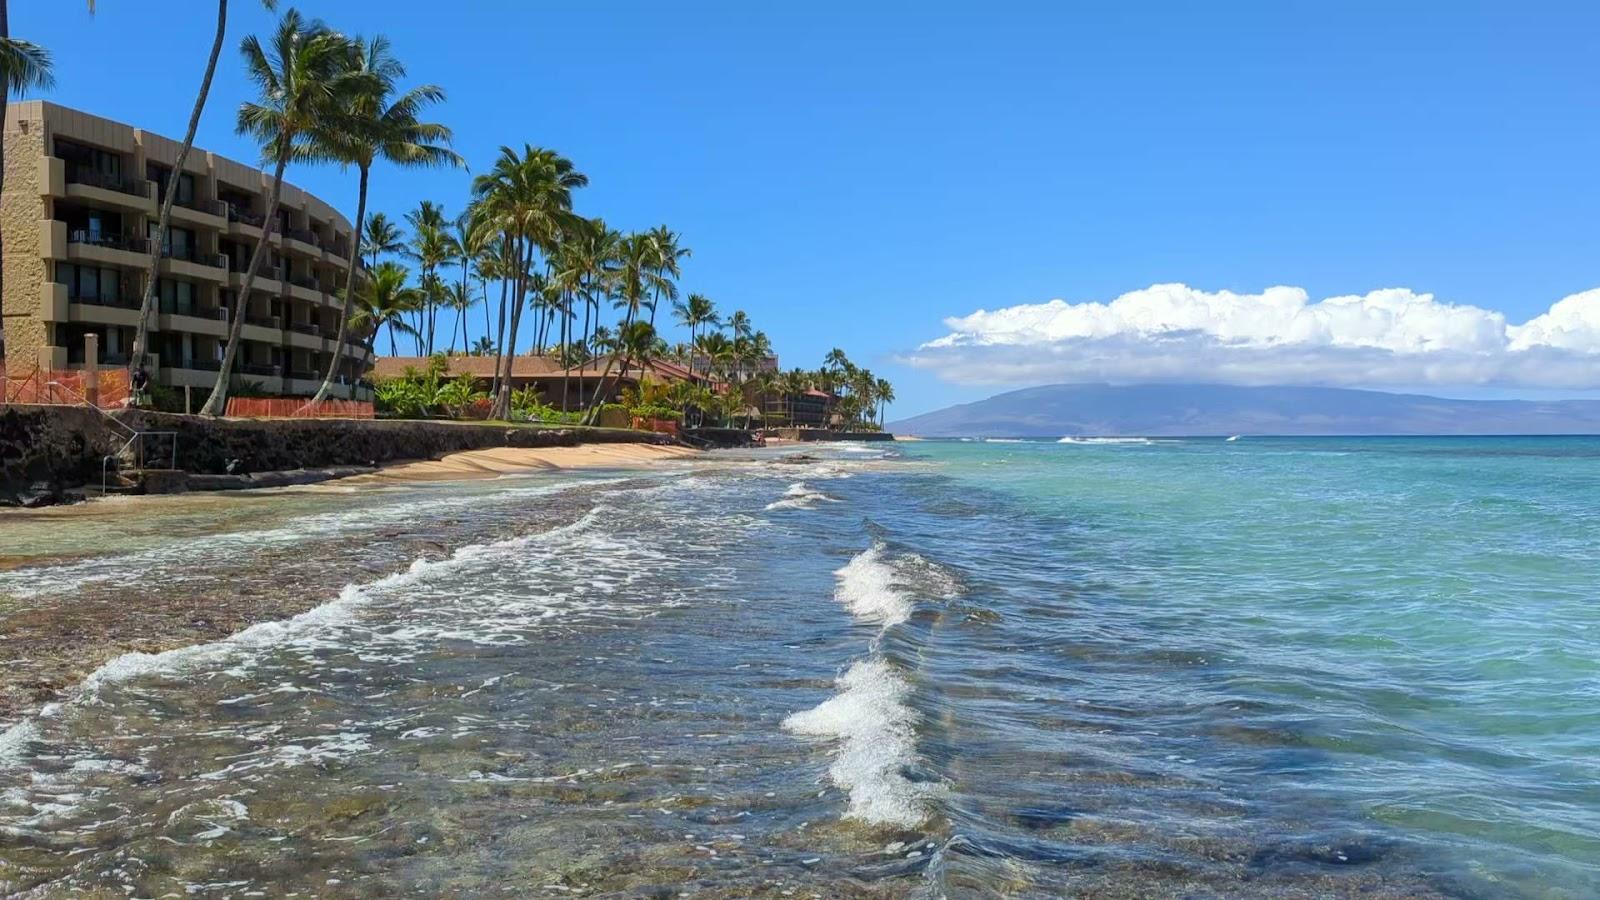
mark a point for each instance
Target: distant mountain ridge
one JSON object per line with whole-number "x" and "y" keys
{"x": 1060, "y": 410}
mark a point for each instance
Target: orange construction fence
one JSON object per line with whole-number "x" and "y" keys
{"x": 63, "y": 387}
{"x": 660, "y": 426}
{"x": 298, "y": 408}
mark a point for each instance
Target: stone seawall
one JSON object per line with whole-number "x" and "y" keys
{"x": 50, "y": 451}
{"x": 823, "y": 434}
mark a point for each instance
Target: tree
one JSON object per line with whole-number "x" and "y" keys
{"x": 528, "y": 198}
{"x": 666, "y": 252}
{"x": 461, "y": 300}
{"x": 300, "y": 81}
{"x": 695, "y": 311}
{"x": 383, "y": 301}
{"x": 378, "y": 126}
{"x": 885, "y": 393}
{"x": 430, "y": 246}
{"x": 25, "y": 66}
{"x": 141, "y": 335}
{"x": 382, "y": 237}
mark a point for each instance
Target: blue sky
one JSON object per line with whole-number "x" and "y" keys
{"x": 853, "y": 174}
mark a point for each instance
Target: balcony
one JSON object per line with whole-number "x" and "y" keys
{"x": 304, "y": 375}
{"x": 124, "y": 300}
{"x": 129, "y": 243}
{"x": 78, "y": 173}
{"x": 257, "y": 369}
{"x": 272, "y": 322}
{"x": 196, "y": 204}
{"x": 306, "y": 328}
{"x": 305, "y": 281}
{"x": 304, "y": 236}
{"x": 244, "y": 216}
{"x": 202, "y": 365}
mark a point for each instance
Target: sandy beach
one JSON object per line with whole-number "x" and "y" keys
{"x": 497, "y": 461}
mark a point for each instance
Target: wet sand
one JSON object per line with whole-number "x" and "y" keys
{"x": 49, "y": 645}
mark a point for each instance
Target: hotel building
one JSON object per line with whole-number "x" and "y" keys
{"x": 80, "y": 209}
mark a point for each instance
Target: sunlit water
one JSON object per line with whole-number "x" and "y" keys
{"x": 1284, "y": 668}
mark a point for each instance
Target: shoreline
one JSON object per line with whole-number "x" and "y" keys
{"x": 52, "y": 646}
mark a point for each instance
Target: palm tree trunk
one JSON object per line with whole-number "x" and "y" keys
{"x": 141, "y": 335}
{"x": 500, "y": 336}
{"x": 349, "y": 295}
{"x": 217, "y": 403}
{"x": 525, "y": 259}
{"x": 483, "y": 288}
{"x": 5, "y": 97}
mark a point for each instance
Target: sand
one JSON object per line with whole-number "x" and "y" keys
{"x": 497, "y": 461}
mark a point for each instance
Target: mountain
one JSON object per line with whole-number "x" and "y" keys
{"x": 1058, "y": 410}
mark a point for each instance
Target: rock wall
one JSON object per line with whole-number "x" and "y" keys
{"x": 56, "y": 449}
{"x": 822, "y": 434}
{"x": 45, "y": 450}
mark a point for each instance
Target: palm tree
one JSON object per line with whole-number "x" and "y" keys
{"x": 884, "y": 391}
{"x": 382, "y": 237}
{"x": 664, "y": 242}
{"x": 141, "y": 335}
{"x": 25, "y": 66}
{"x": 482, "y": 347}
{"x": 383, "y": 301}
{"x": 635, "y": 343}
{"x": 695, "y": 311}
{"x": 378, "y": 127}
{"x": 300, "y": 81}
{"x": 529, "y": 200}
{"x": 739, "y": 323}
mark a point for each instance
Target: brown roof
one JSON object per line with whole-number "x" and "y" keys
{"x": 521, "y": 367}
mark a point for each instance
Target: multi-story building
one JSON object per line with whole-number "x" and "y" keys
{"x": 80, "y": 209}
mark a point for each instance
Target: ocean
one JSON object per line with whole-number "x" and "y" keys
{"x": 1144, "y": 668}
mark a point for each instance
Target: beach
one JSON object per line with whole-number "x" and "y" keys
{"x": 1171, "y": 667}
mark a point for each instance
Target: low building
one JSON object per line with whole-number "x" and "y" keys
{"x": 810, "y": 409}
{"x": 80, "y": 210}
{"x": 545, "y": 374}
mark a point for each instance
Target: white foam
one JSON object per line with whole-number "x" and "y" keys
{"x": 14, "y": 742}
{"x": 310, "y": 628}
{"x": 877, "y": 734}
{"x": 799, "y": 496}
{"x": 1104, "y": 440}
{"x": 866, "y": 587}
{"x": 185, "y": 559}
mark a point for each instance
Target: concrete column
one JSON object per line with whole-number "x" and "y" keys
{"x": 91, "y": 368}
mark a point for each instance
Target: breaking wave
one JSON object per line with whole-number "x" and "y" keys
{"x": 800, "y": 496}
{"x": 877, "y": 734}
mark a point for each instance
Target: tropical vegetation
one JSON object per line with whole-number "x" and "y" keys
{"x": 550, "y": 281}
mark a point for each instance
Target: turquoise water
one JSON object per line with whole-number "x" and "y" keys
{"x": 1197, "y": 668}
{"x": 1394, "y": 642}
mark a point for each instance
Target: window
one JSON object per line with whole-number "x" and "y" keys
{"x": 82, "y": 156}
{"x": 90, "y": 284}
{"x": 162, "y": 176}
{"x": 177, "y": 296}
{"x": 180, "y": 241}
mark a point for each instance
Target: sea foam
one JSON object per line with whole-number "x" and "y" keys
{"x": 877, "y": 735}
{"x": 800, "y": 496}
{"x": 866, "y": 586}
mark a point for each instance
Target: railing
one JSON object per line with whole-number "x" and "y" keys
{"x": 306, "y": 282}
{"x": 245, "y": 216}
{"x": 202, "y": 365}
{"x": 255, "y": 369}
{"x": 136, "y": 451}
{"x": 123, "y": 300}
{"x": 209, "y": 207}
{"x": 185, "y": 254}
{"x": 304, "y": 375}
{"x": 306, "y": 328}
{"x": 303, "y": 236}
{"x": 341, "y": 249}
{"x": 78, "y": 173}
{"x": 264, "y": 321}
{"x": 128, "y": 242}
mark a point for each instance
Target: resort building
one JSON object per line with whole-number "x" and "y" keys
{"x": 80, "y": 210}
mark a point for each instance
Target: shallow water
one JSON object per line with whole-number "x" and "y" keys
{"x": 1182, "y": 668}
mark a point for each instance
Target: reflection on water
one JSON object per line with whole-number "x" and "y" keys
{"x": 859, "y": 677}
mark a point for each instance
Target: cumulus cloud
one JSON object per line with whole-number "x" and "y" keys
{"x": 1173, "y": 332}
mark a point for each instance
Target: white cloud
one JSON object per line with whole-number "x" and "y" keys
{"x": 1170, "y": 332}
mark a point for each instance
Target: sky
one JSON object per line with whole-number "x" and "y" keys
{"x": 977, "y": 196}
